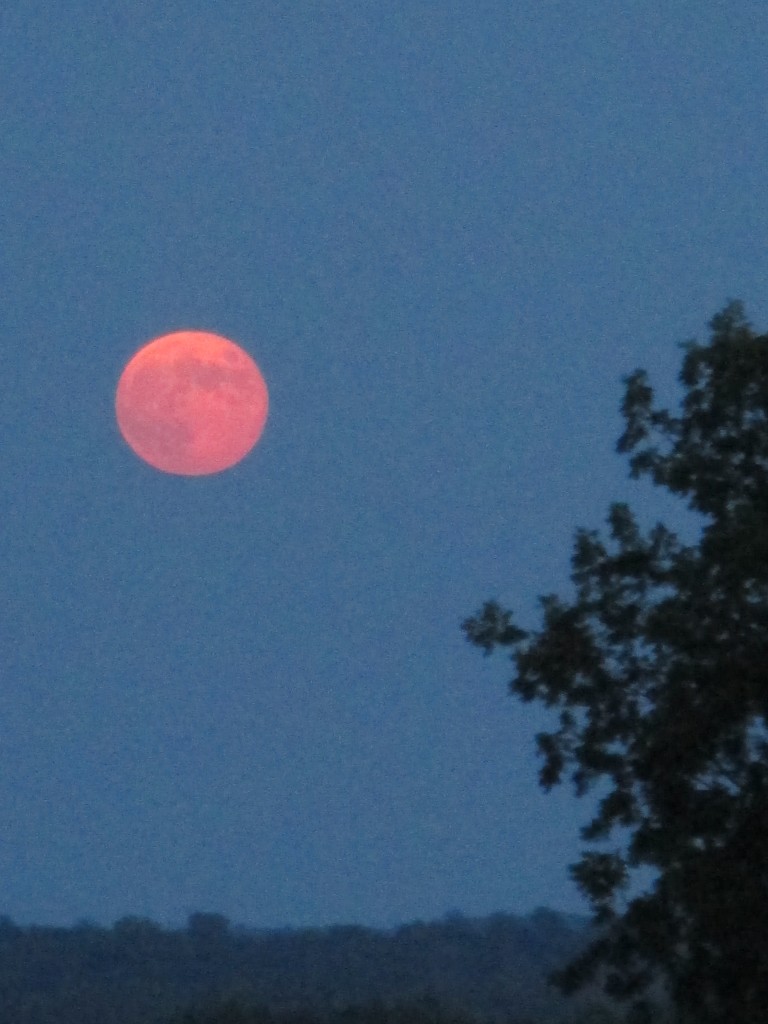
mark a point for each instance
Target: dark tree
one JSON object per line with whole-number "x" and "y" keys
{"x": 658, "y": 672}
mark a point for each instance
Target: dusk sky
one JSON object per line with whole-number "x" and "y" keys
{"x": 445, "y": 232}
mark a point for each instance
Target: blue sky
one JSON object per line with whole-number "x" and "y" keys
{"x": 445, "y": 232}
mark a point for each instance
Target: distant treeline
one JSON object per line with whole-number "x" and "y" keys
{"x": 454, "y": 971}
{"x": 423, "y": 1011}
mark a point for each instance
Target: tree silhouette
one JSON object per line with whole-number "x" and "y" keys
{"x": 658, "y": 672}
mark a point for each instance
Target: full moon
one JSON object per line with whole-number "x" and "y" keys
{"x": 191, "y": 403}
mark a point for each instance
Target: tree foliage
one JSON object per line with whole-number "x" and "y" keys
{"x": 459, "y": 970}
{"x": 657, "y": 671}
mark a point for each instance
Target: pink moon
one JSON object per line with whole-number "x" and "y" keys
{"x": 191, "y": 403}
